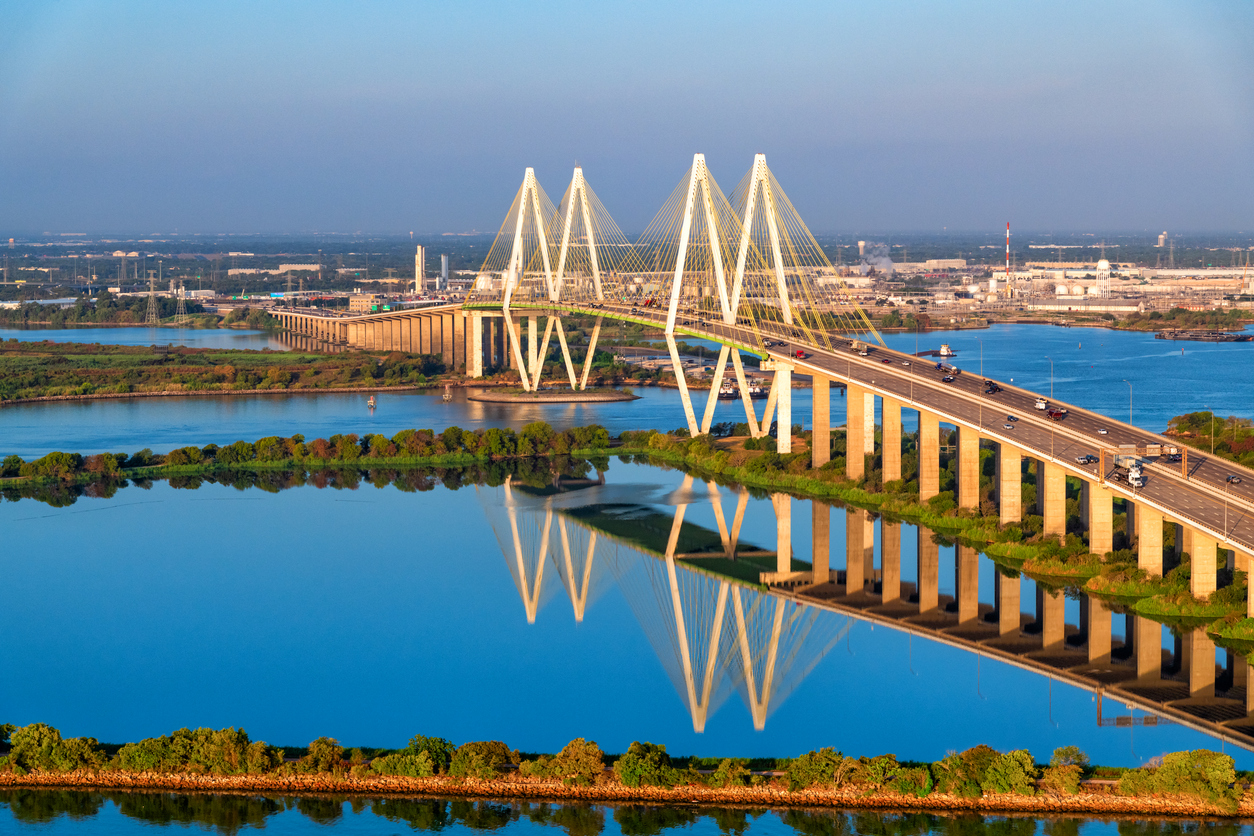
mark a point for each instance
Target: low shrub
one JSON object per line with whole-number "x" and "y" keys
{"x": 201, "y": 751}
{"x": 646, "y": 764}
{"x": 963, "y": 773}
{"x": 824, "y": 767}
{"x": 481, "y": 759}
{"x": 1011, "y": 773}
{"x": 404, "y": 763}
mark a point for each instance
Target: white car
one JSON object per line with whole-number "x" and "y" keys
{"x": 1103, "y": 431}
{"x": 1007, "y": 426}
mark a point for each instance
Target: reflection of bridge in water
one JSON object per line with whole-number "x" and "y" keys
{"x": 722, "y": 614}
{"x": 694, "y": 591}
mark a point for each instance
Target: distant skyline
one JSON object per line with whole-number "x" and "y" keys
{"x": 386, "y": 117}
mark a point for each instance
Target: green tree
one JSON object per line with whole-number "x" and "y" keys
{"x": 325, "y": 755}
{"x": 40, "y": 746}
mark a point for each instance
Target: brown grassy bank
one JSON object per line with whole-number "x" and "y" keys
{"x": 1092, "y": 800}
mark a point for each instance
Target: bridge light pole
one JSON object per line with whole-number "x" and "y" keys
{"x": 1051, "y": 377}
{"x": 1129, "y": 400}
{"x": 981, "y": 342}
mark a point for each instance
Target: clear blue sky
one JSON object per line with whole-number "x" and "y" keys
{"x": 147, "y": 116}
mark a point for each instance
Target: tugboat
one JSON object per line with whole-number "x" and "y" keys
{"x": 370, "y": 404}
{"x": 757, "y": 393}
{"x": 448, "y": 393}
{"x": 946, "y": 351}
{"x": 728, "y": 392}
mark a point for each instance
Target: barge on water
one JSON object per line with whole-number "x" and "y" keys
{"x": 1204, "y": 336}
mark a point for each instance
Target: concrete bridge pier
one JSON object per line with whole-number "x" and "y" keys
{"x": 1149, "y": 555}
{"x": 1009, "y": 483}
{"x": 968, "y": 467}
{"x": 474, "y": 363}
{"x": 1055, "y": 499}
{"x": 1101, "y": 517}
{"x": 1202, "y": 579}
{"x": 783, "y": 407}
{"x": 855, "y": 432}
{"x": 929, "y": 455}
{"x": 891, "y": 445}
{"x": 821, "y": 433}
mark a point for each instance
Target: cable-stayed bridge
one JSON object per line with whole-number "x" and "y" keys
{"x": 745, "y": 273}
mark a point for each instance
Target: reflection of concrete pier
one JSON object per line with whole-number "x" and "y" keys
{"x": 1184, "y": 685}
{"x": 715, "y": 629}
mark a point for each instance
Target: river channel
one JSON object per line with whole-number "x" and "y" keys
{"x": 371, "y": 613}
{"x": 1092, "y": 368}
{"x": 372, "y": 610}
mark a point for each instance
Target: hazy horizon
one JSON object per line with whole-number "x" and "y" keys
{"x": 896, "y": 118}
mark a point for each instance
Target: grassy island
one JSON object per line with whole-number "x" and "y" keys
{"x": 1199, "y": 782}
{"x": 38, "y": 370}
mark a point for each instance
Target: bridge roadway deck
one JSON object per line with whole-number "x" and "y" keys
{"x": 1203, "y": 498}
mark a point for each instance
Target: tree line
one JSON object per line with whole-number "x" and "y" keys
{"x": 1199, "y": 775}
{"x": 537, "y": 439}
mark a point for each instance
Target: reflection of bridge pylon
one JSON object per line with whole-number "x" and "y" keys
{"x": 525, "y": 566}
{"x": 576, "y": 580}
{"x": 704, "y": 654}
{"x": 529, "y": 539}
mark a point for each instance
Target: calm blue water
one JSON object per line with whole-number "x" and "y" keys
{"x": 195, "y": 337}
{"x": 1090, "y": 365}
{"x": 125, "y": 813}
{"x": 374, "y": 614}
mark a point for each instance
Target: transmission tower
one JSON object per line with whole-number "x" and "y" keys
{"x": 152, "y": 319}
{"x": 180, "y": 316}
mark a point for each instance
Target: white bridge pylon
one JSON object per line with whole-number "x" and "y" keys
{"x": 749, "y": 263}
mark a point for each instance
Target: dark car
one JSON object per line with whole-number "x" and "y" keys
{"x": 1233, "y": 479}
{"x": 949, "y": 378}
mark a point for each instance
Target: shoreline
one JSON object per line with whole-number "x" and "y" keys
{"x": 1084, "y": 803}
{"x": 214, "y": 393}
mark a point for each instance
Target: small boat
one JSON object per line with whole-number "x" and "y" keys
{"x": 728, "y": 393}
{"x": 370, "y": 404}
{"x": 448, "y": 393}
{"x": 757, "y": 393}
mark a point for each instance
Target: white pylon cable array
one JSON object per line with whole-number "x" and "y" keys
{"x": 750, "y": 262}
{"x": 802, "y": 293}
